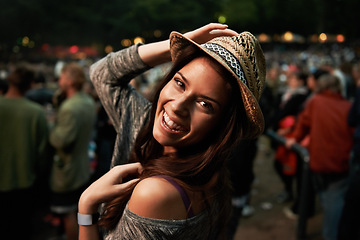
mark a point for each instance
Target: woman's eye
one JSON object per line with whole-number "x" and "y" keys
{"x": 179, "y": 83}
{"x": 206, "y": 105}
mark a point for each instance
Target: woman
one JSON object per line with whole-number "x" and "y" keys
{"x": 206, "y": 103}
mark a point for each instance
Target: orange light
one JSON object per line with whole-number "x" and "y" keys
{"x": 323, "y": 37}
{"x": 139, "y": 40}
{"x": 288, "y": 36}
{"x": 126, "y": 42}
{"x": 340, "y": 38}
{"x": 109, "y": 49}
{"x": 263, "y": 37}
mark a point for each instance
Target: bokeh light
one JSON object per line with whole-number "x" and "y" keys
{"x": 264, "y": 37}
{"x": 288, "y": 37}
{"x": 222, "y": 19}
{"x": 323, "y": 37}
{"x": 126, "y": 42}
{"x": 109, "y": 49}
{"x": 340, "y": 38}
{"x": 25, "y": 41}
{"x": 74, "y": 49}
{"x": 139, "y": 40}
{"x": 157, "y": 33}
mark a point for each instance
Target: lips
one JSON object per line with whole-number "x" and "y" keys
{"x": 170, "y": 124}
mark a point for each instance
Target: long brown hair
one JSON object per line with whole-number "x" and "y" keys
{"x": 193, "y": 167}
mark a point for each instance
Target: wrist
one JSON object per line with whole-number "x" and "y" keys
{"x": 86, "y": 205}
{"x": 154, "y": 54}
{"x": 88, "y": 219}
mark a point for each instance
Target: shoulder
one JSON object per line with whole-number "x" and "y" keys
{"x": 34, "y": 107}
{"x": 155, "y": 197}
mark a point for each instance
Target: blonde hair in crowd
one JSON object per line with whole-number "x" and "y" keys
{"x": 76, "y": 74}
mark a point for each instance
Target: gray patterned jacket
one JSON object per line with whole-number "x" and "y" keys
{"x": 127, "y": 109}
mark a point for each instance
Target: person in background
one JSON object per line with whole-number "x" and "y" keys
{"x": 202, "y": 108}
{"x": 39, "y": 92}
{"x": 292, "y": 211}
{"x": 23, "y": 146}
{"x": 349, "y": 227}
{"x": 70, "y": 137}
{"x": 325, "y": 120}
{"x": 290, "y": 103}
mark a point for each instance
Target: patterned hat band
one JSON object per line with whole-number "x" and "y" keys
{"x": 229, "y": 58}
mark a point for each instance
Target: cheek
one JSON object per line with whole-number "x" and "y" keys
{"x": 203, "y": 126}
{"x": 167, "y": 91}
{"x": 167, "y": 94}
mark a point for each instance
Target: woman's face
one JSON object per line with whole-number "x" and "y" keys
{"x": 190, "y": 105}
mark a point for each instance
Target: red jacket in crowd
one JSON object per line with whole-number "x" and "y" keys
{"x": 331, "y": 138}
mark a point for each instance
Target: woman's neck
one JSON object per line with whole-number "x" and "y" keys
{"x": 169, "y": 150}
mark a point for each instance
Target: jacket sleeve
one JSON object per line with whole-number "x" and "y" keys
{"x": 302, "y": 126}
{"x": 111, "y": 76}
{"x": 65, "y": 131}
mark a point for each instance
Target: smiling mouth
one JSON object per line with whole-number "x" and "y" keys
{"x": 171, "y": 125}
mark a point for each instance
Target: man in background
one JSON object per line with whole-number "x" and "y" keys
{"x": 70, "y": 137}
{"x": 23, "y": 145}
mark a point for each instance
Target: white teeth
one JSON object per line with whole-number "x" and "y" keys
{"x": 170, "y": 123}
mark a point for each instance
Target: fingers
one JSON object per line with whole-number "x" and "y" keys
{"x": 225, "y": 32}
{"x": 210, "y": 31}
{"x": 123, "y": 186}
{"x": 122, "y": 171}
{"x": 213, "y": 26}
{"x": 220, "y": 29}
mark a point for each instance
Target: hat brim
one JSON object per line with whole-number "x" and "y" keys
{"x": 181, "y": 46}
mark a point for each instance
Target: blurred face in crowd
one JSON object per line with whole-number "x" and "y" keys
{"x": 190, "y": 105}
{"x": 294, "y": 82}
{"x": 65, "y": 82}
{"x": 311, "y": 82}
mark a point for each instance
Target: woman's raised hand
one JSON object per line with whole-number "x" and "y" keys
{"x": 157, "y": 53}
{"x": 108, "y": 187}
{"x": 210, "y": 31}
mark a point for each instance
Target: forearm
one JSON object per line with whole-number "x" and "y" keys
{"x": 117, "y": 68}
{"x": 90, "y": 232}
{"x": 111, "y": 76}
{"x": 154, "y": 54}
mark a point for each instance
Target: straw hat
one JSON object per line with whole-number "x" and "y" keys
{"x": 244, "y": 58}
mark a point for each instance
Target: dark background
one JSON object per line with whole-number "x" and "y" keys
{"x": 98, "y": 23}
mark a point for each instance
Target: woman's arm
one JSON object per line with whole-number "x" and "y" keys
{"x": 111, "y": 76}
{"x": 104, "y": 189}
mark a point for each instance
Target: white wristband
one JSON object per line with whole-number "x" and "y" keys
{"x": 88, "y": 219}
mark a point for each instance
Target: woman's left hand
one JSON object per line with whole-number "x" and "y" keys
{"x": 108, "y": 187}
{"x": 210, "y": 31}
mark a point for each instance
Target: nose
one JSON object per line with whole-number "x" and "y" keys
{"x": 181, "y": 106}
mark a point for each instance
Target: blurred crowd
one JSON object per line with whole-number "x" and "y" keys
{"x": 308, "y": 99}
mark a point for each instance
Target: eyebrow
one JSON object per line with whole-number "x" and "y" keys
{"x": 202, "y": 96}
